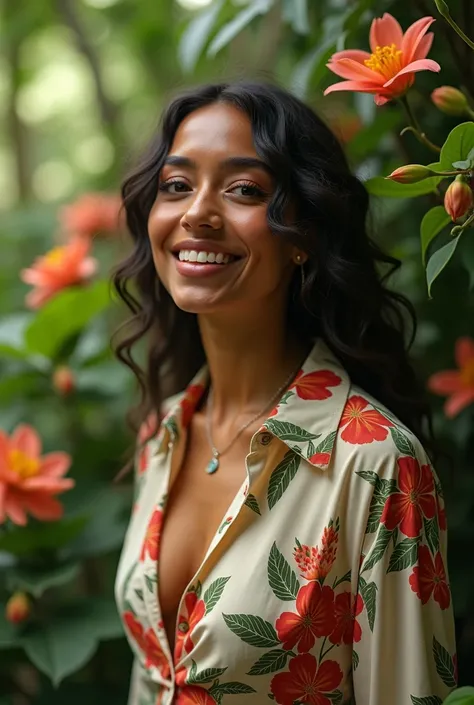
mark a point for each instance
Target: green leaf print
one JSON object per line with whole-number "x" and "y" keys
{"x": 231, "y": 688}
{"x": 139, "y": 594}
{"x": 270, "y": 662}
{"x": 281, "y": 477}
{"x": 281, "y": 576}
{"x": 289, "y": 431}
{"x": 355, "y": 660}
{"x": 368, "y": 593}
{"x": 335, "y": 697}
{"x": 403, "y": 443}
{"x": 214, "y": 592}
{"x": 150, "y": 583}
{"x": 375, "y": 514}
{"x": 205, "y": 676}
{"x": 252, "y": 629}
{"x": 251, "y": 503}
{"x": 327, "y": 444}
{"x": 378, "y": 549}
{"x": 404, "y": 556}
{"x": 432, "y": 534}
{"x": 428, "y": 700}
{"x": 172, "y": 427}
{"x": 444, "y": 664}
{"x": 369, "y": 476}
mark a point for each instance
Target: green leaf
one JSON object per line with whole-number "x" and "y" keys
{"x": 231, "y": 688}
{"x": 404, "y": 556}
{"x": 444, "y": 663}
{"x": 68, "y": 639}
{"x": 214, "y": 592}
{"x": 196, "y": 35}
{"x": 64, "y": 316}
{"x": 281, "y": 576}
{"x": 428, "y": 700}
{"x": 457, "y": 146}
{"x": 402, "y": 442}
{"x": 380, "y": 186}
{"x": 378, "y": 549}
{"x": 36, "y": 581}
{"x": 270, "y": 662}
{"x": 36, "y": 537}
{"x": 368, "y": 593}
{"x": 205, "y": 676}
{"x": 432, "y": 534}
{"x": 461, "y": 696}
{"x": 251, "y": 503}
{"x": 281, "y": 477}
{"x": 439, "y": 260}
{"x": 432, "y": 224}
{"x": 355, "y": 660}
{"x": 287, "y": 431}
{"x": 230, "y": 30}
{"x": 295, "y": 12}
{"x": 252, "y": 629}
{"x": 303, "y": 71}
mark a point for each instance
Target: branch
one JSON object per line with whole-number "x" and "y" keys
{"x": 17, "y": 130}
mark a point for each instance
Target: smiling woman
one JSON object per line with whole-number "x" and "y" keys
{"x": 297, "y": 524}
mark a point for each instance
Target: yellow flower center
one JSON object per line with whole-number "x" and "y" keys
{"x": 23, "y": 464}
{"x": 467, "y": 374}
{"x": 385, "y": 60}
{"x": 55, "y": 255}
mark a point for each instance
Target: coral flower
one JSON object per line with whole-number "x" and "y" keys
{"x": 28, "y": 480}
{"x": 92, "y": 214}
{"x": 457, "y": 384}
{"x": 61, "y": 267}
{"x": 388, "y": 72}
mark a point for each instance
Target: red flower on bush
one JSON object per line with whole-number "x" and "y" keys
{"x": 306, "y": 682}
{"x": 414, "y": 500}
{"x": 314, "y": 385}
{"x": 362, "y": 426}
{"x": 194, "y": 610}
{"x": 346, "y": 610}
{"x": 458, "y": 385}
{"x": 429, "y": 578}
{"x": 92, "y": 214}
{"x": 314, "y": 618}
{"x": 151, "y": 542}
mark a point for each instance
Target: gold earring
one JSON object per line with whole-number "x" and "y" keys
{"x": 298, "y": 258}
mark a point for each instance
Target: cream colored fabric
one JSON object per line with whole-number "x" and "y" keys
{"x": 326, "y": 581}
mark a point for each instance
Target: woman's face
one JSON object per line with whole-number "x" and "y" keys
{"x": 211, "y": 244}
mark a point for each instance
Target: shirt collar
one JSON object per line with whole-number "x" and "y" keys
{"x": 307, "y": 417}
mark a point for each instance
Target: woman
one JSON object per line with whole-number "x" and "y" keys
{"x": 288, "y": 538}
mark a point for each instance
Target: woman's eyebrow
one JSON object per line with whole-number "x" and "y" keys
{"x": 234, "y": 162}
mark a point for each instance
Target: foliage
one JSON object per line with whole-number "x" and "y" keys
{"x": 85, "y": 83}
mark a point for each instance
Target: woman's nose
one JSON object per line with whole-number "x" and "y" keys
{"x": 203, "y": 212}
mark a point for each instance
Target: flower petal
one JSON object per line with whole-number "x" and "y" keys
{"x": 445, "y": 382}
{"x": 380, "y": 99}
{"x": 3, "y": 493}
{"x": 384, "y": 31}
{"x": 36, "y": 298}
{"x": 413, "y": 37}
{"x": 26, "y": 439}
{"x": 51, "y": 485}
{"x": 353, "y": 70}
{"x": 424, "y": 47}
{"x": 458, "y": 402}
{"x": 464, "y": 351}
{"x": 87, "y": 268}
{"x": 55, "y": 464}
{"x": 357, "y": 86}
{"x": 355, "y": 54}
{"x": 43, "y": 507}
{"x": 419, "y": 65}
{"x": 14, "y": 509}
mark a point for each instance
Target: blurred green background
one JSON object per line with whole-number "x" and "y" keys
{"x": 82, "y": 85}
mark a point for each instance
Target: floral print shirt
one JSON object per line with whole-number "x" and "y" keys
{"x": 326, "y": 582}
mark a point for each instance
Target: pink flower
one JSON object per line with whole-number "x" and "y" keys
{"x": 458, "y": 385}
{"x": 28, "y": 480}
{"x": 61, "y": 267}
{"x": 388, "y": 72}
{"x": 91, "y": 215}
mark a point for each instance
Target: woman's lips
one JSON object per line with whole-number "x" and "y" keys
{"x": 198, "y": 269}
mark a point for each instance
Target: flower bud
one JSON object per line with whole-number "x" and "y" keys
{"x": 64, "y": 380}
{"x": 18, "y": 608}
{"x": 458, "y": 199}
{"x": 450, "y": 100}
{"x": 410, "y": 174}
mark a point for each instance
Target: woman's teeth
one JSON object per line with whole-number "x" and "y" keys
{"x": 203, "y": 257}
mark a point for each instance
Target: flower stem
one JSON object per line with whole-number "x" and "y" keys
{"x": 415, "y": 126}
{"x": 444, "y": 12}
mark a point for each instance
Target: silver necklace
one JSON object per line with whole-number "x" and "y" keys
{"x": 213, "y": 464}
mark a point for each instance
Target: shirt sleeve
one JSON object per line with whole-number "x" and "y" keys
{"x": 405, "y": 652}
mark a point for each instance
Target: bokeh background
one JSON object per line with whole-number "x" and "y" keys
{"x": 82, "y": 85}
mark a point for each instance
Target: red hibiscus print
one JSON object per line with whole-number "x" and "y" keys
{"x": 188, "y": 404}
{"x": 347, "y": 609}
{"x": 362, "y": 426}
{"x": 429, "y": 578}
{"x": 194, "y": 610}
{"x": 306, "y": 682}
{"x": 151, "y": 542}
{"x": 147, "y": 429}
{"x": 154, "y": 654}
{"x": 314, "y": 618}
{"x": 314, "y": 385}
{"x": 320, "y": 459}
{"x": 315, "y": 563}
{"x": 194, "y": 695}
{"x": 135, "y": 629}
{"x": 414, "y": 500}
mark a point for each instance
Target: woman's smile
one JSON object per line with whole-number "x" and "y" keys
{"x": 202, "y": 258}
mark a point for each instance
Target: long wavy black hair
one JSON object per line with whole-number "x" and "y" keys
{"x": 344, "y": 299}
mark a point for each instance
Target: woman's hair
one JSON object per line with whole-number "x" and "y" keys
{"x": 344, "y": 299}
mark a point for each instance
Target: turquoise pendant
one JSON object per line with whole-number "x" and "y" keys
{"x": 212, "y": 465}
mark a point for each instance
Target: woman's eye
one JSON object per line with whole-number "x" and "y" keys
{"x": 248, "y": 190}
{"x": 174, "y": 187}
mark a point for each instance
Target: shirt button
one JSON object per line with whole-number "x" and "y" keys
{"x": 183, "y": 627}
{"x": 170, "y": 445}
{"x": 265, "y": 438}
